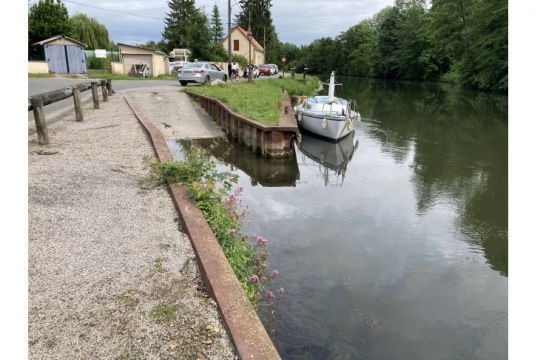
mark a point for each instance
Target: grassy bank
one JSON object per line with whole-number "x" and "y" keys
{"x": 106, "y": 75}
{"x": 260, "y": 101}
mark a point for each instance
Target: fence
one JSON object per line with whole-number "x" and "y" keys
{"x": 36, "y": 103}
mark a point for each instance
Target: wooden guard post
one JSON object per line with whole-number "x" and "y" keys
{"x": 38, "y": 101}
{"x": 104, "y": 90}
{"x": 77, "y": 103}
{"x": 39, "y": 117}
{"x": 109, "y": 87}
{"x": 95, "y": 95}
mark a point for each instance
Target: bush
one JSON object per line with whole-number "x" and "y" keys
{"x": 92, "y": 62}
{"x": 239, "y": 59}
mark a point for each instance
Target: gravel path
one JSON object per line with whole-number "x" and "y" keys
{"x": 110, "y": 274}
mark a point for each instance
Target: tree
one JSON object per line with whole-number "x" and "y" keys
{"x": 201, "y": 37}
{"x": 47, "y": 18}
{"x": 257, "y": 14}
{"x": 187, "y": 27}
{"x": 216, "y": 26}
{"x": 386, "y": 22}
{"x": 323, "y": 55}
{"x": 89, "y": 31}
{"x": 484, "y": 62}
{"x": 361, "y": 39}
{"x": 412, "y": 55}
{"x": 178, "y": 27}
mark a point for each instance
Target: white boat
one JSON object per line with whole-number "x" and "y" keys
{"x": 327, "y": 116}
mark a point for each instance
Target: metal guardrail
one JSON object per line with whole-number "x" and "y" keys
{"x": 36, "y": 103}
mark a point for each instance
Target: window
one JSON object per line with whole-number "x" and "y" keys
{"x": 236, "y": 45}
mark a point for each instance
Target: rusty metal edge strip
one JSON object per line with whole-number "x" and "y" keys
{"x": 244, "y": 325}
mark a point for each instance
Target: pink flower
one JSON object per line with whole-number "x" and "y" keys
{"x": 261, "y": 240}
{"x": 281, "y": 291}
{"x": 247, "y": 222}
{"x": 270, "y": 294}
{"x": 274, "y": 273}
{"x": 232, "y": 231}
{"x": 254, "y": 278}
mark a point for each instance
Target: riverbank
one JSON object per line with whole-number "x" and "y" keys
{"x": 110, "y": 274}
{"x": 260, "y": 101}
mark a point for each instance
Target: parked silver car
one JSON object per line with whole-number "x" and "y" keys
{"x": 200, "y": 72}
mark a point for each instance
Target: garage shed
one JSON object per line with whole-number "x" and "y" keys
{"x": 63, "y": 54}
{"x": 134, "y": 55}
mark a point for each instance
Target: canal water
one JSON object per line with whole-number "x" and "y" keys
{"x": 391, "y": 244}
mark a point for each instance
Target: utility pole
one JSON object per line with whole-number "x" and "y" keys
{"x": 250, "y": 36}
{"x": 264, "y": 43}
{"x": 229, "y": 42}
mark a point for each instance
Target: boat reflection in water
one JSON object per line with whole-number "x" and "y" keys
{"x": 266, "y": 172}
{"x": 330, "y": 155}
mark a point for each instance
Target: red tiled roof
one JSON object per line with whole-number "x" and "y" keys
{"x": 254, "y": 42}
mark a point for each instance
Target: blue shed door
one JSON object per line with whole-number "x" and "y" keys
{"x": 56, "y": 57}
{"x": 76, "y": 58}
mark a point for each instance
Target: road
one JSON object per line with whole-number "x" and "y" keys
{"x": 40, "y": 85}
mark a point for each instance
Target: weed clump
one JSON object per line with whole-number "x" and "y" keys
{"x": 220, "y": 204}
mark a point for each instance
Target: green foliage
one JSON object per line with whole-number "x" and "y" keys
{"x": 362, "y": 40}
{"x": 209, "y": 187}
{"x": 459, "y": 41}
{"x": 47, "y": 18}
{"x": 216, "y": 26}
{"x": 156, "y": 46}
{"x": 92, "y": 62}
{"x": 484, "y": 63}
{"x": 89, "y": 31}
{"x": 239, "y": 59}
{"x": 260, "y": 101}
{"x": 187, "y": 27}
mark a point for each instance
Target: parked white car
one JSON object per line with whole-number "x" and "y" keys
{"x": 274, "y": 68}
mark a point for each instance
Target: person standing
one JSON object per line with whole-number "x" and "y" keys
{"x": 234, "y": 71}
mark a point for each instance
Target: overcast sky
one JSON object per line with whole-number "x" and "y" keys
{"x": 320, "y": 17}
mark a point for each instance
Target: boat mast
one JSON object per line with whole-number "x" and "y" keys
{"x": 331, "y": 87}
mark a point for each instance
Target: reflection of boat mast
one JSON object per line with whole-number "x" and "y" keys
{"x": 340, "y": 170}
{"x": 329, "y": 155}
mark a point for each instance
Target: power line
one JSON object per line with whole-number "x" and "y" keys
{"x": 113, "y": 10}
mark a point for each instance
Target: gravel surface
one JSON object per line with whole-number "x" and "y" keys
{"x": 110, "y": 274}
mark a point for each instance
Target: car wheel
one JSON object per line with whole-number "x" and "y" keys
{"x": 183, "y": 83}
{"x": 225, "y": 78}
{"x": 206, "y": 80}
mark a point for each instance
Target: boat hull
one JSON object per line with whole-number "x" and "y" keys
{"x": 333, "y": 128}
